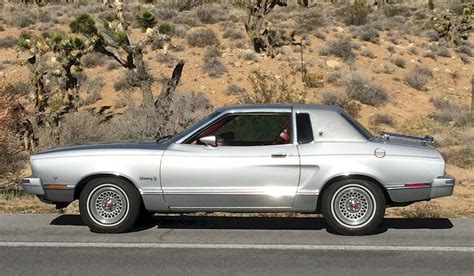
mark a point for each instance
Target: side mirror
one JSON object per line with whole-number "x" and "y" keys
{"x": 209, "y": 141}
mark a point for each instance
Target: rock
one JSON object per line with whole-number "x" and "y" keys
{"x": 250, "y": 62}
{"x": 238, "y": 64}
{"x": 340, "y": 29}
{"x": 435, "y": 69}
{"x": 447, "y": 70}
{"x": 333, "y": 64}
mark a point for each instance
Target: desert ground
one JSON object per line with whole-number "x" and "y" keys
{"x": 425, "y": 82}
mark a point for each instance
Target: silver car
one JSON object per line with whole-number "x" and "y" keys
{"x": 247, "y": 158}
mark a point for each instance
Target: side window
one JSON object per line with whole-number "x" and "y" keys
{"x": 304, "y": 128}
{"x": 257, "y": 129}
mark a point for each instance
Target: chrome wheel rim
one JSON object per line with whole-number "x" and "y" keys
{"x": 353, "y": 206}
{"x": 107, "y": 205}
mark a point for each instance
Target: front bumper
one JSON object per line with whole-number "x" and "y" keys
{"x": 32, "y": 185}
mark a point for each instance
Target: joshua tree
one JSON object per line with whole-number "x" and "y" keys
{"x": 451, "y": 27}
{"x": 115, "y": 38}
{"x": 303, "y": 3}
{"x": 55, "y": 57}
{"x": 256, "y": 27}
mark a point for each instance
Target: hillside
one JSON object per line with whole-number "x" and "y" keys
{"x": 392, "y": 71}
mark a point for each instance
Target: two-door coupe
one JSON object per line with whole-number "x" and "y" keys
{"x": 247, "y": 158}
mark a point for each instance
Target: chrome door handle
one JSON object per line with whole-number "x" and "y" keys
{"x": 278, "y": 155}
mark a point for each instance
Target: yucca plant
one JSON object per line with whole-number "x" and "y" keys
{"x": 145, "y": 19}
{"x": 83, "y": 24}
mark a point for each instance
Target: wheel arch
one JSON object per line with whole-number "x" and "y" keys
{"x": 83, "y": 182}
{"x": 335, "y": 179}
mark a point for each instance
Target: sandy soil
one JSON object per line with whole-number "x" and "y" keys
{"x": 406, "y": 104}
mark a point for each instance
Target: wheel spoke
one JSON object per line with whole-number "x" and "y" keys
{"x": 353, "y": 205}
{"x": 107, "y": 204}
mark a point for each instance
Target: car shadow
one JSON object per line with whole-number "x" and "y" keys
{"x": 259, "y": 223}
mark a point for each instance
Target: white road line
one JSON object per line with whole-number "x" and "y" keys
{"x": 240, "y": 246}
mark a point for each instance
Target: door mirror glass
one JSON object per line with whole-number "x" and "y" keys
{"x": 209, "y": 141}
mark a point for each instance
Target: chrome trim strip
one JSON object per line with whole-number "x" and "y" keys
{"x": 408, "y": 188}
{"x": 308, "y": 193}
{"x": 232, "y": 208}
{"x": 283, "y": 192}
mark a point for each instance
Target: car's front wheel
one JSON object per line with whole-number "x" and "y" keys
{"x": 353, "y": 207}
{"x": 109, "y": 205}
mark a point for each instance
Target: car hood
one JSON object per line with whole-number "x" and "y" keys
{"x": 119, "y": 146}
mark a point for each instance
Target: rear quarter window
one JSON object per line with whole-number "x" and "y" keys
{"x": 331, "y": 126}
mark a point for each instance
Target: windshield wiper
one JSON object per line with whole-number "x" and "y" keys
{"x": 164, "y": 138}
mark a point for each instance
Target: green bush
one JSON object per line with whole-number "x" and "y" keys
{"x": 83, "y": 24}
{"x": 165, "y": 28}
{"x": 145, "y": 19}
{"x": 24, "y": 40}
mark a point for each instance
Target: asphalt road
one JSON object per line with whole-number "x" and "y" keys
{"x": 176, "y": 245}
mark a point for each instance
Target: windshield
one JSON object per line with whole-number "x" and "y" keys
{"x": 195, "y": 126}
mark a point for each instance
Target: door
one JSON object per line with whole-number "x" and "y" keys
{"x": 253, "y": 166}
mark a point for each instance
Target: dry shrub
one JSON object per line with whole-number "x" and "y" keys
{"x": 399, "y": 61}
{"x": 11, "y": 157}
{"x": 340, "y": 99}
{"x": 93, "y": 90}
{"x": 12, "y": 161}
{"x": 314, "y": 80}
{"x": 148, "y": 122}
{"x": 366, "y": 52}
{"x": 74, "y": 128}
{"x": 234, "y": 89}
{"x": 365, "y": 33}
{"x": 94, "y": 59}
{"x": 422, "y": 210}
{"x": 165, "y": 58}
{"x": 8, "y": 42}
{"x": 232, "y": 33}
{"x": 354, "y": 14}
{"x": 360, "y": 89}
{"x": 201, "y": 37}
{"x": 249, "y": 55}
{"x": 212, "y": 63}
{"x": 419, "y": 77}
{"x": 383, "y": 119}
{"x": 309, "y": 20}
{"x": 336, "y": 78}
{"x": 340, "y": 47}
{"x": 448, "y": 112}
{"x": 269, "y": 89}
{"x": 126, "y": 81}
{"x": 462, "y": 157}
{"x": 210, "y": 14}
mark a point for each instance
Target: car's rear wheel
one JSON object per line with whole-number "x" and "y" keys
{"x": 353, "y": 207}
{"x": 109, "y": 205}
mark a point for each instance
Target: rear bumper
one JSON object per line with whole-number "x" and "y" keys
{"x": 439, "y": 187}
{"x": 442, "y": 186}
{"x": 32, "y": 185}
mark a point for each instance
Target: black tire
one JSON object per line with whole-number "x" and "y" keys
{"x": 110, "y": 205}
{"x": 353, "y": 207}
